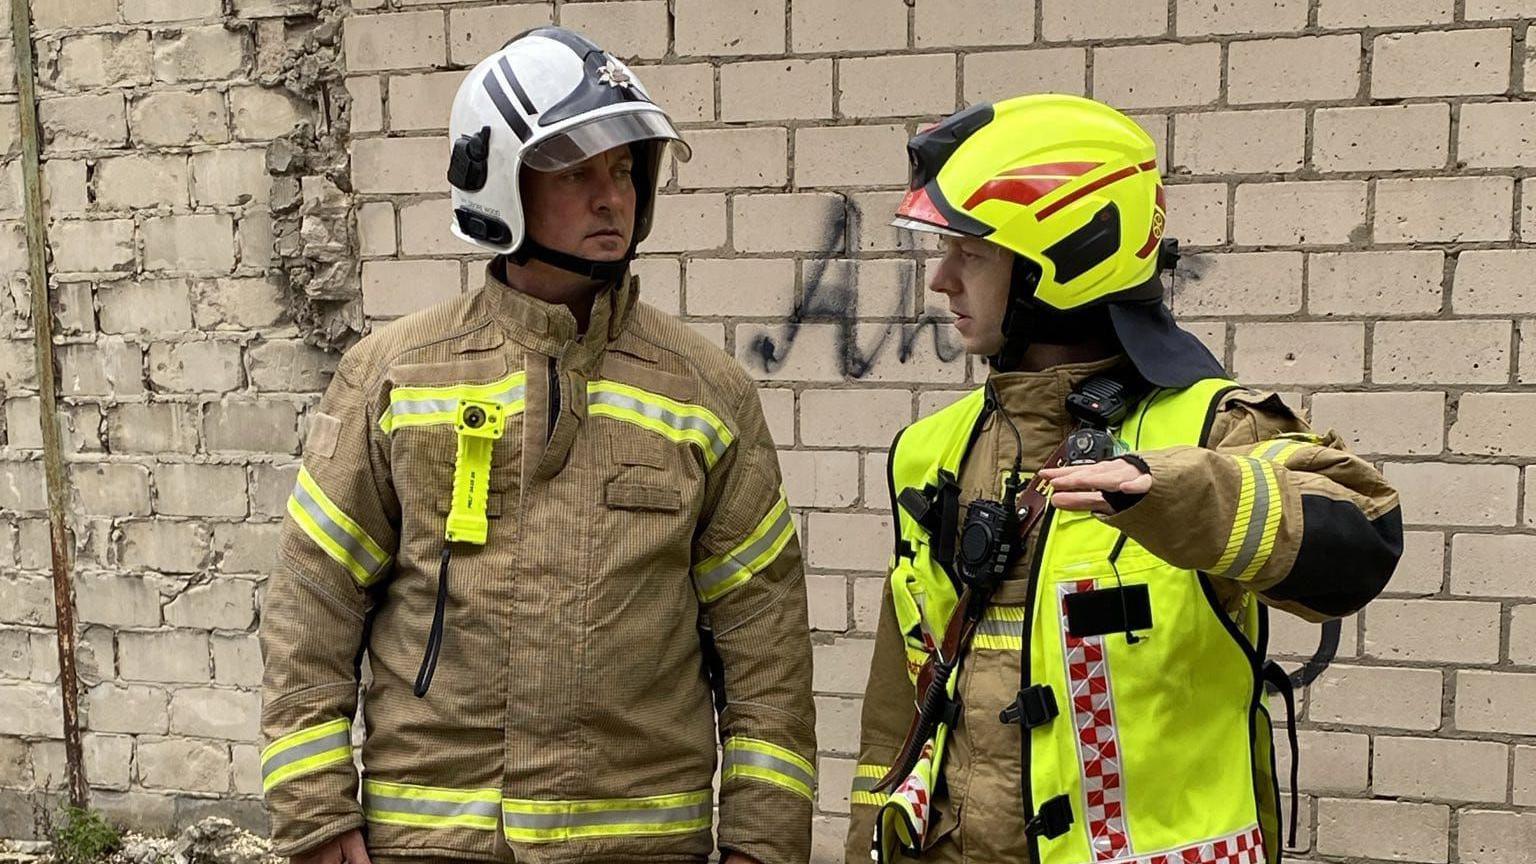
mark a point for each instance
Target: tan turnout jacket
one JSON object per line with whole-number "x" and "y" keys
{"x": 633, "y": 493}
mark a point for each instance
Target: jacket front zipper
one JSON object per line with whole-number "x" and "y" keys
{"x": 554, "y": 399}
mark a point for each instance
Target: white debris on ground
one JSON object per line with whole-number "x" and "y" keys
{"x": 214, "y": 840}
{"x": 21, "y": 851}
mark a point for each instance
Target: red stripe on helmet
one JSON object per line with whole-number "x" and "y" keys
{"x": 1128, "y": 171}
{"x": 1019, "y": 190}
{"x": 1029, "y": 183}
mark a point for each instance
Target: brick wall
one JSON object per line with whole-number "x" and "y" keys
{"x": 182, "y": 380}
{"x": 1349, "y": 177}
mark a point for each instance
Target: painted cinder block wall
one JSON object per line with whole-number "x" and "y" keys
{"x": 1351, "y": 180}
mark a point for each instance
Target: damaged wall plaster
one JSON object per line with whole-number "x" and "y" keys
{"x": 314, "y": 226}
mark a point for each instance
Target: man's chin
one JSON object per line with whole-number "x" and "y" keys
{"x": 981, "y": 346}
{"x": 604, "y": 250}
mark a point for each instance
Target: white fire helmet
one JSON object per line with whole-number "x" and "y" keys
{"x": 548, "y": 99}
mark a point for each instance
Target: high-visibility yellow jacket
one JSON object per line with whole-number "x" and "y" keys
{"x": 1145, "y": 737}
{"x": 616, "y": 488}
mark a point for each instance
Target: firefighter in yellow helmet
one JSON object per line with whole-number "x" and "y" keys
{"x": 1070, "y": 661}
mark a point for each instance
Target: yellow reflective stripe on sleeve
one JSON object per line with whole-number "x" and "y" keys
{"x": 864, "y": 779}
{"x": 1256, "y": 522}
{"x": 1240, "y": 519}
{"x": 336, "y": 532}
{"x": 1271, "y": 526}
{"x": 530, "y": 821}
{"x": 1277, "y": 451}
{"x": 431, "y": 807}
{"x": 1001, "y": 629}
{"x": 676, "y": 421}
{"x": 305, "y": 752}
{"x": 438, "y": 405}
{"x": 715, "y": 577}
{"x": 755, "y": 759}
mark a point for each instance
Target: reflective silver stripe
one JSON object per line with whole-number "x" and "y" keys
{"x": 333, "y": 741}
{"x": 1256, "y": 519}
{"x": 438, "y": 406}
{"x": 1275, "y": 448}
{"x": 737, "y": 560}
{"x": 427, "y": 807}
{"x": 340, "y": 535}
{"x": 585, "y": 818}
{"x": 739, "y": 756}
{"x": 864, "y": 784}
{"x": 423, "y": 406}
{"x": 660, "y": 414}
{"x": 999, "y": 627}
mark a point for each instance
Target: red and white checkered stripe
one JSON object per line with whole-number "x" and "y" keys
{"x": 1244, "y": 847}
{"x": 915, "y": 790}
{"x": 1098, "y": 751}
{"x": 1098, "y": 742}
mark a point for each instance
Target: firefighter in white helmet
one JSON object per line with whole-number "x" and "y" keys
{"x": 551, "y": 517}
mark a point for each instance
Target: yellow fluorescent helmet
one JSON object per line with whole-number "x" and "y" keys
{"x": 1067, "y": 183}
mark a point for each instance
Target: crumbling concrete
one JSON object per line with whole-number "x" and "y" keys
{"x": 314, "y": 228}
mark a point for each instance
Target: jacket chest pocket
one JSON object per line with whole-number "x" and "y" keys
{"x": 638, "y": 477}
{"x": 645, "y": 519}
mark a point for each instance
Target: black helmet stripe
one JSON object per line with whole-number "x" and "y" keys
{"x": 579, "y": 44}
{"x": 517, "y": 86}
{"x": 504, "y": 105}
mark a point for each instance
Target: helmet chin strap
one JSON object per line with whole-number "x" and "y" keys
{"x": 647, "y": 158}
{"x": 597, "y": 271}
{"x": 1027, "y": 321}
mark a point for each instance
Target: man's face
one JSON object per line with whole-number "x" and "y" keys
{"x": 974, "y": 275}
{"x": 587, "y": 209}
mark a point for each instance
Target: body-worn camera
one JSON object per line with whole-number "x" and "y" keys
{"x": 986, "y": 544}
{"x": 1087, "y": 446}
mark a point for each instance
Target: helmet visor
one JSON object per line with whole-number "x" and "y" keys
{"x": 580, "y": 143}
{"x": 917, "y": 212}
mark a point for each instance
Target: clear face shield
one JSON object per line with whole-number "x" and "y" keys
{"x": 580, "y": 143}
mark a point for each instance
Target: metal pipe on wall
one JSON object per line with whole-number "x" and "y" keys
{"x": 53, "y": 460}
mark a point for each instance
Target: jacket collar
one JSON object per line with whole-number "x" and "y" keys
{"x": 1041, "y": 397}
{"x": 550, "y": 328}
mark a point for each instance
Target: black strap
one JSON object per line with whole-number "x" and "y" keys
{"x": 714, "y": 666}
{"x": 600, "y": 271}
{"x": 1278, "y": 679}
{"x": 1053, "y": 820}
{"x": 435, "y": 637}
{"x": 936, "y": 509}
{"x": 949, "y": 712}
{"x": 920, "y": 507}
{"x": 1327, "y": 647}
{"x": 1034, "y": 706}
{"x": 947, "y": 503}
{"x": 1123, "y": 501}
